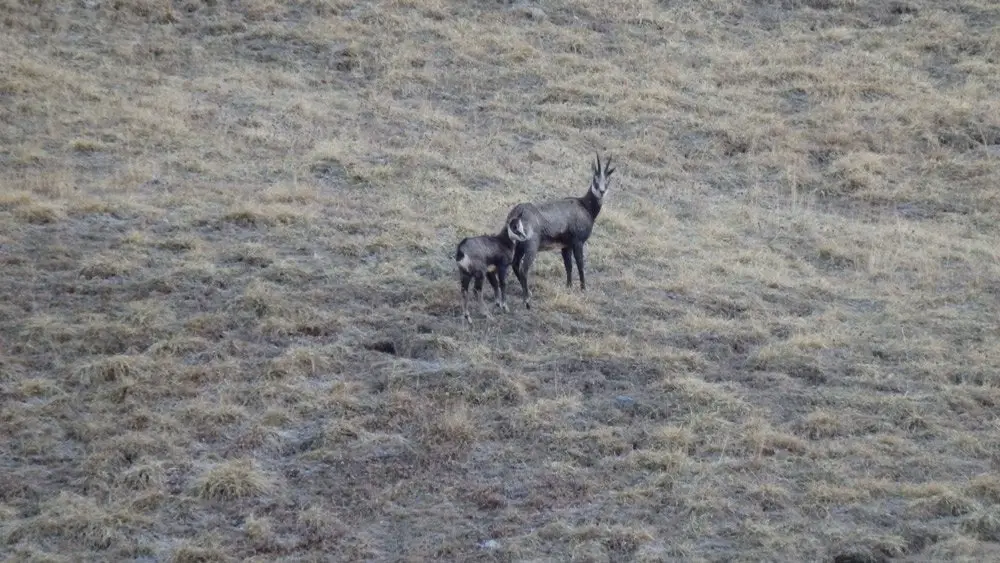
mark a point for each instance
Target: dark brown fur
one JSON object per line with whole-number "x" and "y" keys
{"x": 490, "y": 257}
{"x": 565, "y": 224}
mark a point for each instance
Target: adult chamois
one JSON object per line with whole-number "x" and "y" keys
{"x": 488, "y": 256}
{"x": 565, "y": 224}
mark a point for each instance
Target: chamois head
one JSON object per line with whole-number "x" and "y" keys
{"x": 602, "y": 177}
{"x": 517, "y": 231}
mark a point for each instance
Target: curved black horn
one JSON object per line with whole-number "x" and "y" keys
{"x": 597, "y": 169}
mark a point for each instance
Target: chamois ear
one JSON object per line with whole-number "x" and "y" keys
{"x": 608, "y": 169}
{"x": 597, "y": 167}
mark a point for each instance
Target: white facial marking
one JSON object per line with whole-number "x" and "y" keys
{"x": 600, "y": 185}
{"x": 515, "y": 235}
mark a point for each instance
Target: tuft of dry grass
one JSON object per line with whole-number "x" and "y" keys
{"x": 233, "y": 480}
{"x": 69, "y": 519}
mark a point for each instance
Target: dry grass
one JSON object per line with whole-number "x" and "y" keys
{"x": 229, "y": 322}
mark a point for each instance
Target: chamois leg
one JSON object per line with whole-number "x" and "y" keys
{"x": 567, "y": 254}
{"x": 516, "y": 262}
{"x": 529, "y": 260}
{"x": 495, "y": 284}
{"x": 466, "y": 278}
{"x": 578, "y": 255}
{"x": 502, "y": 281}
{"x": 479, "y": 296}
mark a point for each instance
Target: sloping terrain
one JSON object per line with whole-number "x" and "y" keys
{"x": 229, "y": 314}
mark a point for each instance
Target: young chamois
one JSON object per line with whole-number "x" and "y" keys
{"x": 488, "y": 256}
{"x": 564, "y": 224}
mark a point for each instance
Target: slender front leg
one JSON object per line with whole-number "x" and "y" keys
{"x": 516, "y": 263}
{"x": 578, "y": 255}
{"x": 529, "y": 260}
{"x": 466, "y": 278}
{"x": 567, "y": 254}
{"x": 495, "y": 284}
{"x": 502, "y": 280}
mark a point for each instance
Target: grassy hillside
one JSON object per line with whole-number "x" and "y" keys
{"x": 229, "y": 311}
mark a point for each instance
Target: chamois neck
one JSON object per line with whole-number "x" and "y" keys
{"x": 591, "y": 203}
{"x": 504, "y": 237}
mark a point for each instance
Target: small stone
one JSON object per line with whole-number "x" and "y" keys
{"x": 489, "y": 544}
{"x": 625, "y": 401}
